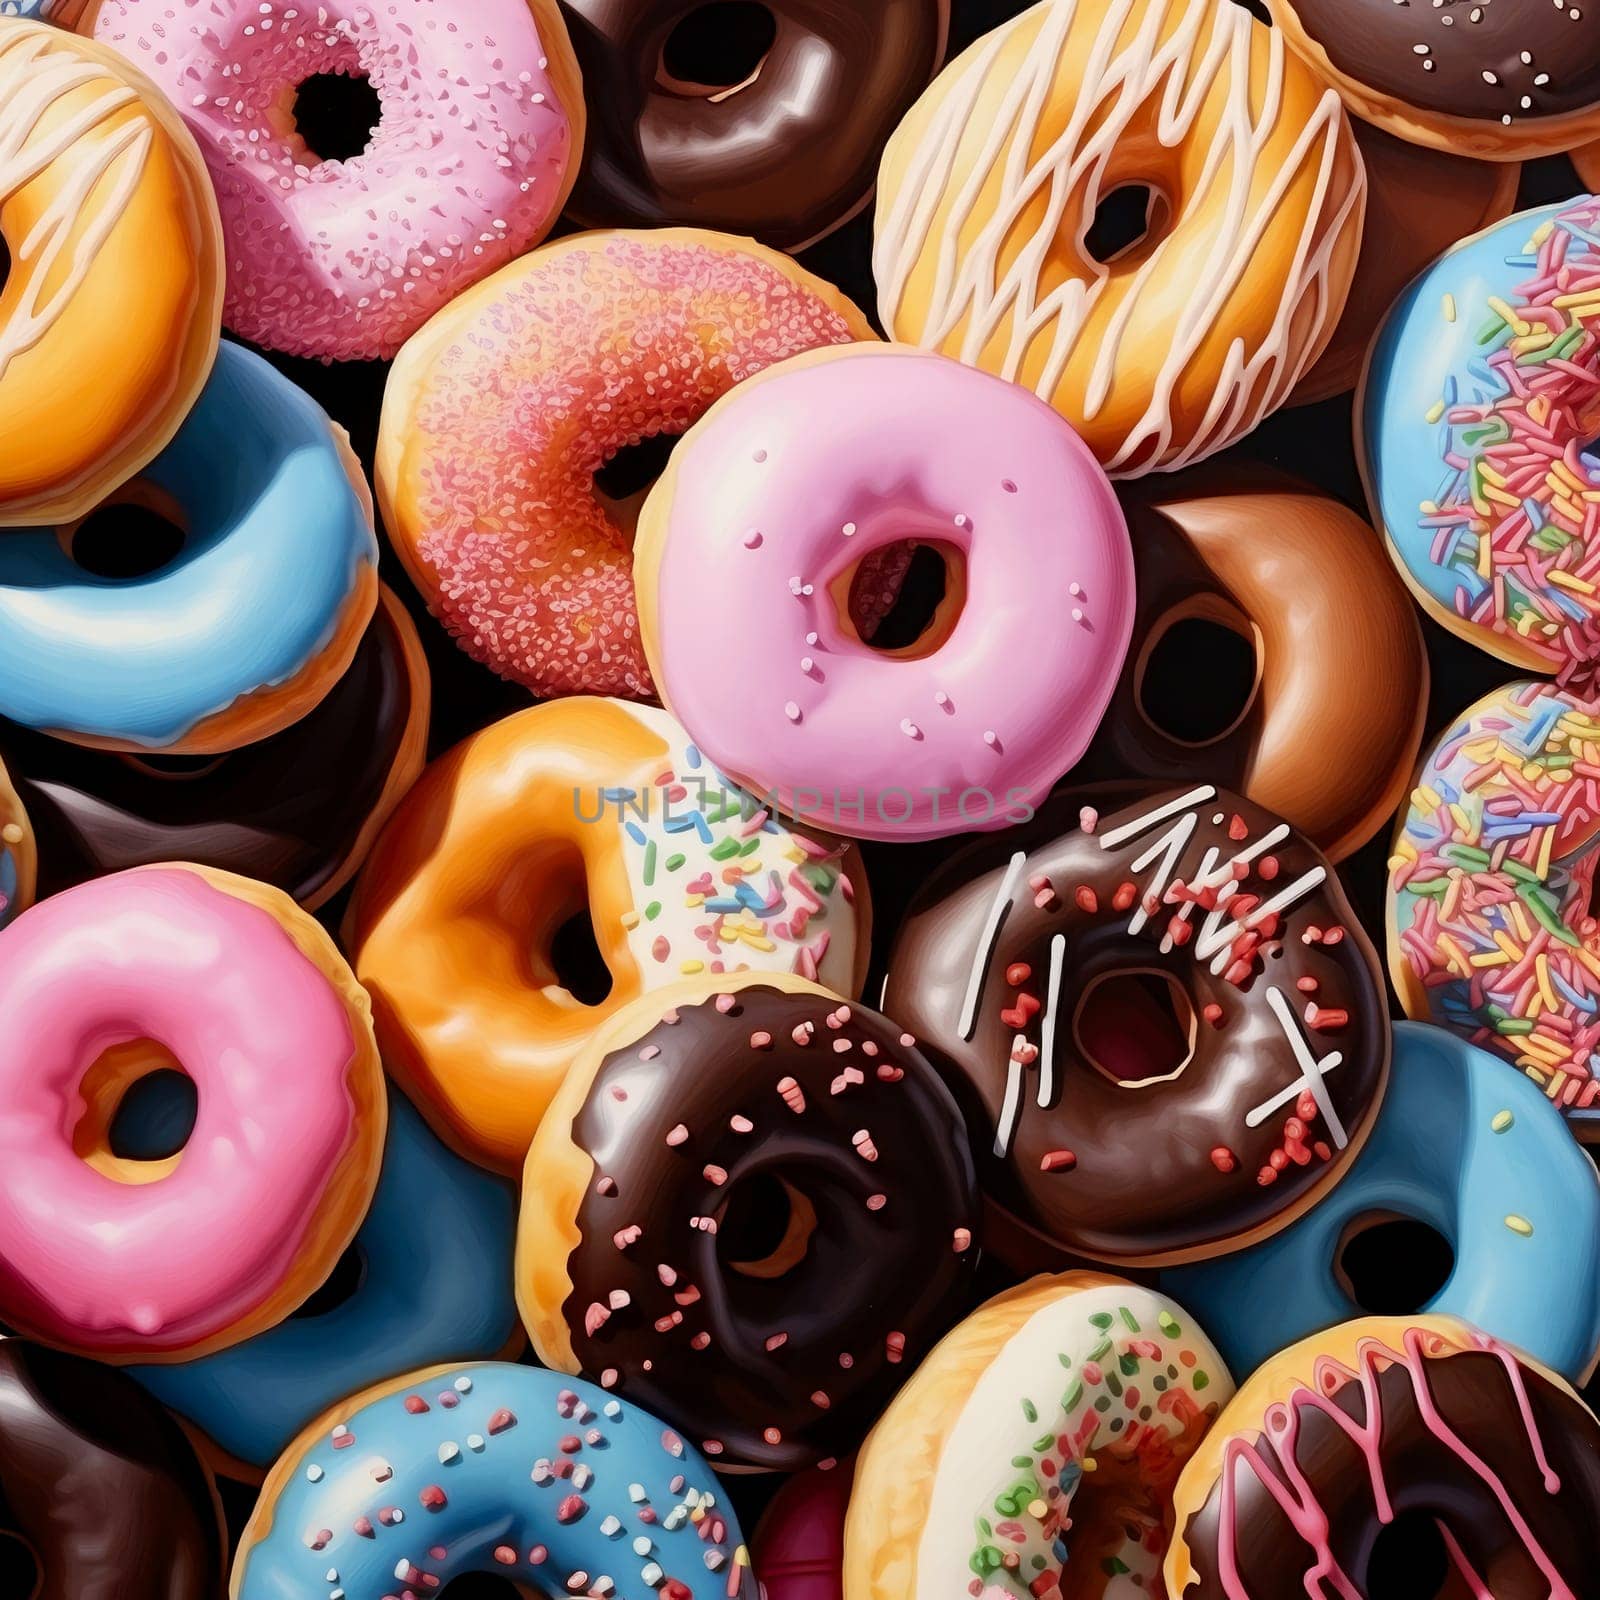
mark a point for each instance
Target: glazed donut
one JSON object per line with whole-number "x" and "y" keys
{"x": 1180, "y": 342}
{"x": 800, "y": 480}
{"x": 1481, "y": 1157}
{"x": 427, "y": 1477}
{"x": 1510, "y": 82}
{"x": 154, "y": 663}
{"x": 18, "y": 856}
{"x": 1035, "y": 1452}
{"x": 1419, "y": 1418}
{"x": 113, "y": 241}
{"x": 230, "y": 982}
{"x": 1341, "y": 674}
{"x": 649, "y": 1251}
{"x": 476, "y": 148}
{"x": 578, "y": 805}
{"x": 1419, "y": 203}
{"x": 799, "y": 1545}
{"x": 1490, "y": 932}
{"x": 432, "y": 1263}
{"x": 1144, "y": 980}
{"x": 101, "y": 1486}
{"x": 355, "y": 753}
{"x": 1474, "y": 417}
{"x": 769, "y": 125}
{"x": 500, "y": 413}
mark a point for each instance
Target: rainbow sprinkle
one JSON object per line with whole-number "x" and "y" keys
{"x": 1517, "y": 519}
{"x": 1490, "y": 884}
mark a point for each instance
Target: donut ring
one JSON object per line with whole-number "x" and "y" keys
{"x": 98, "y": 812}
{"x": 1180, "y": 343}
{"x": 1042, "y": 1438}
{"x": 1473, "y": 418}
{"x": 476, "y": 148}
{"x": 500, "y": 412}
{"x": 229, "y": 980}
{"x": 19, "y": 860}
{"x": 1032, "y": 968}
{"x": 572, "y": 805}
{"x": 799, "y": 1543}
{"x": 114, "y": 243}
{"x": 1353, "y": 1428}
{"x": 1490, "y": 933}
{"x": 1479, "y": 1155}
{"x": 790, "y": 488}
{"x": 786, "y": 153}
{"x": 1513, "y": 83}
{"x": 1305, "y": 581}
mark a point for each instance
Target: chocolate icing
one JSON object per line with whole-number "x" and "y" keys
{"x": 1486, "y": 56}
{"x": 1156, "y": 1170}
{"x": 798, "y": 1366}
{"x": 290, "y": 810}
{"x": 786, "y": 157}
{"x": 99, "y": 1482}
{"x": 1477, "y": 1401}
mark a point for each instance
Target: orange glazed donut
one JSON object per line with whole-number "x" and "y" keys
{"x": 460, "y": 918}
{"x": 989, "y": 226}
{"x": 110, "y": 314}
{"x": 501, "y": 412}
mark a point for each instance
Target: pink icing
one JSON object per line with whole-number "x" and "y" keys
{"x": 345, "y": 259}
{"x": 808, "y": 473}
{"x": 160, "y": 954}
{"x": 583, "y": 350}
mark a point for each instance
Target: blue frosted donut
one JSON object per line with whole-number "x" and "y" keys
{"x": 1478, "y": 1154}
{"x": 245, "y": 628}
{"x": 542, "y": 1479}
{"x": 435, "y": 1253}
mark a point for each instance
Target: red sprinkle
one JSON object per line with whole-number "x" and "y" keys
{"x": 1057, "y": 1161}
{"x": 1223, "y": 1159}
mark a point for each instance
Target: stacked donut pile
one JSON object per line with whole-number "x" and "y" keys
{"x": 481, "y": 1176}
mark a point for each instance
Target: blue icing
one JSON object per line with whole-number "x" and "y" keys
{"x": 436, "y": 1248}
{"x": 8, "y": 885}
{"x": 505, "y": 1463}
{"x": 277, "y": 539}
{"x": 1434, "y": 1156}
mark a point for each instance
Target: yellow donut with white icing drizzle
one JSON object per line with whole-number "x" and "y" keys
{"x": 1179, "y": 343}
{"x": 111, "y": 311}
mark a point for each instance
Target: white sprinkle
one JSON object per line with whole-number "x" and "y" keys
{"x": 448, "y": 1452}
{"x": 463, "y": 1385}
{"x": 1489, "y": 77}
{"x": 848, "y": 530}
{"x": 314, "y": 1473}
{"x": 791, "y": 710}
{"x": 909, "y": 728}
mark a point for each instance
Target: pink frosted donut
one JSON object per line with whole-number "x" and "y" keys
{"x": 750, "y": 555}
{"x": 475, "y": 150}
{"x": 501, "y": 411}
{"x": 230, "y": 982}
{"x": 798, "y": 1550}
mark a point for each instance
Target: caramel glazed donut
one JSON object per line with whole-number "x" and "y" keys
{"x": 1306, "y": 583}
{"x": 1030, "y": 971}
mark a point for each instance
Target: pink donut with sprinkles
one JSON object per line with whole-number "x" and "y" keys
{"x": 475, "y": 150}
{"x": 502, "y": 411}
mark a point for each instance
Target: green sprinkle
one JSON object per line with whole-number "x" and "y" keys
{"x": 674, "y": 861}
{"x": 1030, "y": 1411}
{"x": 751, "y": 845}
{"x": 1101, "y": 1319}
{"x": 650, "y": 864}
{"x": 1129, "y": 1363}
{"x": 1065, "y": 1360}
{"x": 1043, "y": 1442}
{"x": 1113, "y": 1567}
{"x": 1129, "y": 1318}
{"x": 652, "y": 911}
{"x": 1520, "y": 1225}
{"x": 1114, "y": 1384}
{"x": 1069, "y": 1401}
{"x": 1169, "y": 1324}
{"x": 1103, "y": 1403}
{"x": 1101, "y": 1350}
{"x": 729, "y": 846}
{"x": 1501, "y": 1121}
{"x": 1200, "y": 1381}
{"x": 1019, "y": 1462}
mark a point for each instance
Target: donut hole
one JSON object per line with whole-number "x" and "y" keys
{"x": 20, "y": 1572}
{"x": 336, "y": 115}
{"x": 580, "y": 969}
{"x": 904, "y": 599}
{"x": 137, "y": 532}
{"x": 341, "y": 1285}
{"x": 172, "y": 769}
{"x": 1136, "y": 1027}
{"x": 764, "y": 1227}
{"x": 1127, "y": 221}
{"x": 1257, "y": 9}
{"x": 480, "y": 1586}
{"x": 717, "y": 49}
{"x": 626, "y": 476}
{"x": 1390, "y": 1265}
{"x": 5, "y": 262}
{"x": 1197, "y": 676}
{"x": 1409, "y": 1560}
{"x": 140, "y": 1109}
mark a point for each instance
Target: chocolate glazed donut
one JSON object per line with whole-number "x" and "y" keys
{"x": 100, "y": 1484}
{"x": 758, "y": 117}
{"x": 1327, "y": 733}
{"x": 1424, "y": 1444}
{"x": 751, "y": 1210}
{"x": 298, "y": 810}
{"x": 1164, "y": 1026}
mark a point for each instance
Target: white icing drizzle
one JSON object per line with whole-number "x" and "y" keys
{"x": 1004, "y": 895}
{"x": 1047, "y": 1024}
{"x": 1012, "y": 1104}
{"x": 1142, "y": 824}
{"x": 1202, "y": 68}
{"x": 1312, "y": 1072}
{"x": 57, "y": 253}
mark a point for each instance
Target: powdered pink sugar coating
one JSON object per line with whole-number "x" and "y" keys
{"x": 343, "y": 260}
{"x": 588, "y": 349}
